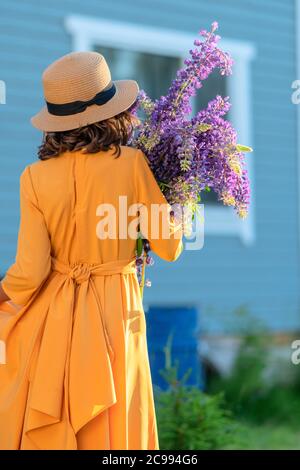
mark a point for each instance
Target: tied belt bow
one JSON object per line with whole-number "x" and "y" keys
{"x": 73, "y": 379}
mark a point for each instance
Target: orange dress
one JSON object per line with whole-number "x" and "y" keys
{"x": 76, "y": 373}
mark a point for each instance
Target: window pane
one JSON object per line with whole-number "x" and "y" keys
{"x": 154, "y": 74}
{"x": 209, "y": 198}
{"x": 216, "y": 84}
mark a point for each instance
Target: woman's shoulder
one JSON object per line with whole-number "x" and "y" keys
{"x": 29, "y": 170}
{"x": 39, "y": 168}
{"x": 128, "y": 150}
{"x": 40, "y": 172}
{"x": 128, "y": 156}
{"x": 134, "y": 153}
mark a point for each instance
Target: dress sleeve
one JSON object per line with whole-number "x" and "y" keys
{"x": 33, "y": 258}
{"x": 164, "y": 232}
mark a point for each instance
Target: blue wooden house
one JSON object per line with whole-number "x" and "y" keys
{"x": 248, "y": 265}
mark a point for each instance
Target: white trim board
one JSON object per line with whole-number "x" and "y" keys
{"x": 124, "y": 35}
{"x": 86, "y": 32}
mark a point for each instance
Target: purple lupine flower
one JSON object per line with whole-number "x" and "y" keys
{"x": 191, "y": 155}
{"x": 186, "y": 155}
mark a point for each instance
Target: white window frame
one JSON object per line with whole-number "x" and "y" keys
{"x": 87, "y": 32}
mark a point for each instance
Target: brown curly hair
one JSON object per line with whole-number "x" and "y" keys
{"x": 101, "y": 135}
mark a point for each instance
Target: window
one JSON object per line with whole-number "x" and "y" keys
{"x": 216, "y": 84}
{"x": 151, "y": 56}
{"x": 153, "y": 72}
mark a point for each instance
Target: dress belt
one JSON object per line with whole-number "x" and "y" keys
{"x": 73, "y": 379}
{"x": 81, "y": 272}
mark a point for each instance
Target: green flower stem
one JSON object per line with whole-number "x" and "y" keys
{"x": 142, "y": 284}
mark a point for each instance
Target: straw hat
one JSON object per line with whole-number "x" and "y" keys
{"x": 78, "y": 91}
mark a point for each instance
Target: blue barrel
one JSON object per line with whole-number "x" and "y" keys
{"x": 180, "y": 325}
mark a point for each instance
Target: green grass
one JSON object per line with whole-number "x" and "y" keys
{"x": 265, "y": 437}
{"x": 241, "y": 412}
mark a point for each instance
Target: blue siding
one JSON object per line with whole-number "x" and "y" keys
{"x": 225, "y": 275}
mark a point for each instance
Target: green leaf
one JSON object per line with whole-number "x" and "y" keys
{"x": 243, "y": 148}
{"x": 139, "y": 246}
{"x": 164, "y": 185}
{"x": 203, "y": 127}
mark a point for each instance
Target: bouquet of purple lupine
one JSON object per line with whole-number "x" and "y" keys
{"x": 189, "y": 156}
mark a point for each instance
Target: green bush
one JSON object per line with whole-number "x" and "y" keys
{"x": 187, "y": 418}
{"x": 254, "y": 396}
